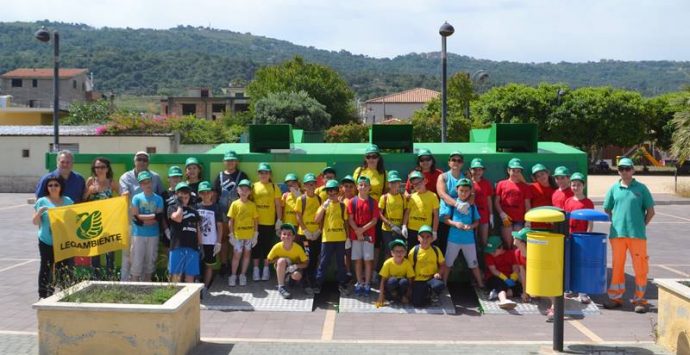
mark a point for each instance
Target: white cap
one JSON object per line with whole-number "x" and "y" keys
{"x": 141, "y": 152}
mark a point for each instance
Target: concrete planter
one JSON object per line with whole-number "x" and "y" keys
{"x": 673, "y": 328}
{"x": 108, "y": 328}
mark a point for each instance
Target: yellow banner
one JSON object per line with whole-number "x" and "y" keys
{"x": 89, "y": 229}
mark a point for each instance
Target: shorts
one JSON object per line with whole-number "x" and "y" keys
{"x": 362, "y": 250}
{"x": 469, "y": 252}
{"x": 143, "y": 255}
{"x": 184, "y": 261}
{"x": 209, "y": 258}
{"x": 267, "y": 237}
{"x": 242, "y": 244}
{"x": 518, "y": 225}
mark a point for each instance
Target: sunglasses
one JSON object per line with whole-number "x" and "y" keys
{"x": 457, "y": 160}
{"x": 142, "y": 160}
{"x": 53, "y": 185}
{"x": 425, "y": 159}
{"x": 624, "y": 168}
{"x": 372, "y": 157}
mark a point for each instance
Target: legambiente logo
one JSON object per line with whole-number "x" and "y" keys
{"x": 90, "y": 225}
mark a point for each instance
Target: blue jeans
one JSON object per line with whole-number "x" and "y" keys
{"x": 421, "y": 291}
{"x": 396, "y": 288}
{"x": 328, "y": 251}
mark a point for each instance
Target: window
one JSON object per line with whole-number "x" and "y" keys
{"x": 218, "y": 108}
{"x": 25, "y": 153}
{"x": 16, "y": 83}
{"x": 72, "y": 147}
{"x": 151, "y": 150}
{"x": 241, "y": 107}
{"x": 74, "y": 84}
{"x": 34, "y": 83}
{"x": 188, "y": 109}
{"x": 239, "y": 95}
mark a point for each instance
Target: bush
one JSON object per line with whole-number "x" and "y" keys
{"x": 83, "y": 113}
{"x": 348, "y": 133}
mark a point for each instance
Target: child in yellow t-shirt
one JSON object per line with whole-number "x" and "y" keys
{"x": 333, "y": 213}
{"x": 309, "y": 232}
{"x": 266, "y": 195}
{"x": 289, "y": 259}
{"x": 289, "y": 199}
{"x": 422, "y": 209}
{"x": 429, "y": 267}
{"x": 243, "y": 220}
{"x": 396, "y": 274}
{"x": 392, "y": 206}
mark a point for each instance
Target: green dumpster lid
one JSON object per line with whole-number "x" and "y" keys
{"x": 544, "y": 215}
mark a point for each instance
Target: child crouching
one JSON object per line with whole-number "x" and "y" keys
{"x": 396, "y": 275}
{"x": 289, "y": 259}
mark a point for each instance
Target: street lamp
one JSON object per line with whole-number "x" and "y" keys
{"x": 445, "y": 31}
{"x": 44, "y": 36}
{"x": 477, "y": 78}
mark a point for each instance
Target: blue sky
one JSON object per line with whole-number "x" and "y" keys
{"x": 512, "y": 30}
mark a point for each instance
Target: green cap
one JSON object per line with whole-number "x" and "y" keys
{"x": 625, "y": 162}
{"x": 423, "y": 152}
{"x": 230, "y": 155}
{"x": 537, "y": 168}
{"x": 416, "y": 175}
{"x": 288, "y": 226}
{"x": 309, "y": 177}
{"x": 477, "y": 163}
{"x": 454, "y": 153}
{"x": 190, "y": 161}
{"x": 393, "y": 176}
{"x": 332, "y": 184}
{"x": 347, "y": 178}
{"x": 521, "y": 234}
{"x": 204, "y": 186}
{"x": 397, "y": 242}
{"x": 263, "y": 167}
{"x": 515, "y": 163}
{"x": 372, "y": 149}
{"x": 561, "y": 171}
{"x": 245, "y": 182}
{"x": 364, "y": 179}
{"x": 425, "y": 229}
{"x": 492, "y": 244}
{"x": 182, "y": 186}
{"x": 174, "y": 171}
{"x": 291, "y": 177}
{"x": 463, "y": 182}
{"x": 577, "y": 176}
{"x": 328, "y": 169}
{"x": 144, "y": 175}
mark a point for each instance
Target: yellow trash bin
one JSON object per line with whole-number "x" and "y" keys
{"x": 545, "y": 264}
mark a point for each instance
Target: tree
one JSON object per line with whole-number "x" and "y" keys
{"x": 319, "y": 81}
{"x": 295, "y": 108}
{"x": 426, "y": 122}
{"x": 83, "y": 113}
{"x": 460, "y": 89}
{"x": 348, "y": 133}
{"x": 681, "y": 133}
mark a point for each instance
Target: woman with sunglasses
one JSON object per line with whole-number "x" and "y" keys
{"x": 448, "y": 195}
{"x": 100, "y": 186}
{"x": 53, "y": 197}
{"x": 426, "y": 164}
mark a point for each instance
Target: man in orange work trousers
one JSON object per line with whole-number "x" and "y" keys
{"x": 631, "y": 207}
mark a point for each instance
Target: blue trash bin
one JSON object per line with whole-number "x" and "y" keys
{"x": 588, "y": 263}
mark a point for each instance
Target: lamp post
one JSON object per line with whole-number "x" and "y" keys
{"x": 445, "y": 31}
{"x": 44, "y": 36}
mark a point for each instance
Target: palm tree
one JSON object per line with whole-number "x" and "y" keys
{"x": 681, "y": 133}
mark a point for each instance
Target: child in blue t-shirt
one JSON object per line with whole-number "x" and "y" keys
{"x": 147, "y": 209}
{"x": 461, "y": 233}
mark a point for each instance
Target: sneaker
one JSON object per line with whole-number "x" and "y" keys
{"x": 611, "y": 304}
{"x": 266, "y": 274}
{"x": 256, "y": 275}
{"x": 549, "y": 316}
{"x": 584, "y": 298}
{"x": 284, "y": 292}
{"x": 344, "y": 291}
{"x": 358, "y": 289}
{"x": 309, "y": 291}
{"x": 232, "y": 280}
{"x": 243, "y": 280}
{"x": 367, "y": 290}
{"x": 507, "y": 305}
{"x": 493, "y": 295}
{"x": 641, "y": 308}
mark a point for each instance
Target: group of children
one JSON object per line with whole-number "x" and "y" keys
{"x": 321, "y": 219}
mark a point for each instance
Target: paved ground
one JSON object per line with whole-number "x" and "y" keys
{"x": 325, "y": 330}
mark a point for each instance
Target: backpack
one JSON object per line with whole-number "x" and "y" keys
{"x": 416, "y": 252}
{"x": 304, "y": 202}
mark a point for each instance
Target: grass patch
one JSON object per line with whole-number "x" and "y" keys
{"x": 683, "y": 189}
{"x": 129, "y": 294}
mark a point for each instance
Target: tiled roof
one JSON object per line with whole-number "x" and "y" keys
{"x": 417, "y": 95}
{"x": 42, "y": 73}
{"x": 64, "y": 131}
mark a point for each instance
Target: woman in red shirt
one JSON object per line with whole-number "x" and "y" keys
{"x": 426, "y": 164}
{"x": 513, "y": 198}
{"x": 483, "y": 192}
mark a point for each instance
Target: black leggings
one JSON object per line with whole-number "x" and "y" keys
{"x": 46, "y": 286}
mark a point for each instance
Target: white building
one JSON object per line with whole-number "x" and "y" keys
{"x": 398, "y": 105}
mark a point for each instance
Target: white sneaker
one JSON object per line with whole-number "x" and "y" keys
{"x": 584, "y": 298}
{"x": 256, "y": 276}
{"x": 243, "y": 280}
{"x": 493, "y": 295}
{"x": 507, "y": 305}
{"x": 232, "y": 280}
{"x": 266, "y": 274}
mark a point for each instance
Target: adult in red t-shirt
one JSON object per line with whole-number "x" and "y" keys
{"x": 562, "y": 175}
{"x": 483, "y": 199}
{"x": 426, "y": 164}
{"x": 513, "y": 197}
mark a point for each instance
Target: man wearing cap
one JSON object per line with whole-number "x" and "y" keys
{"x": 128, "y": 181}
{"x": 630, "y": 206}
{"x": 73, "y": 182}
{"x": 146, "y": 210}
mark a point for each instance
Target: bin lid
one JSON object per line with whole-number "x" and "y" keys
{"x": 553, "y": 208}
{"x": 588, "y": 214}
{"x": 544, "y": 215}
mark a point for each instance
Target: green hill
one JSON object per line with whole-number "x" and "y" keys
{"x": 147, "y": 61}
